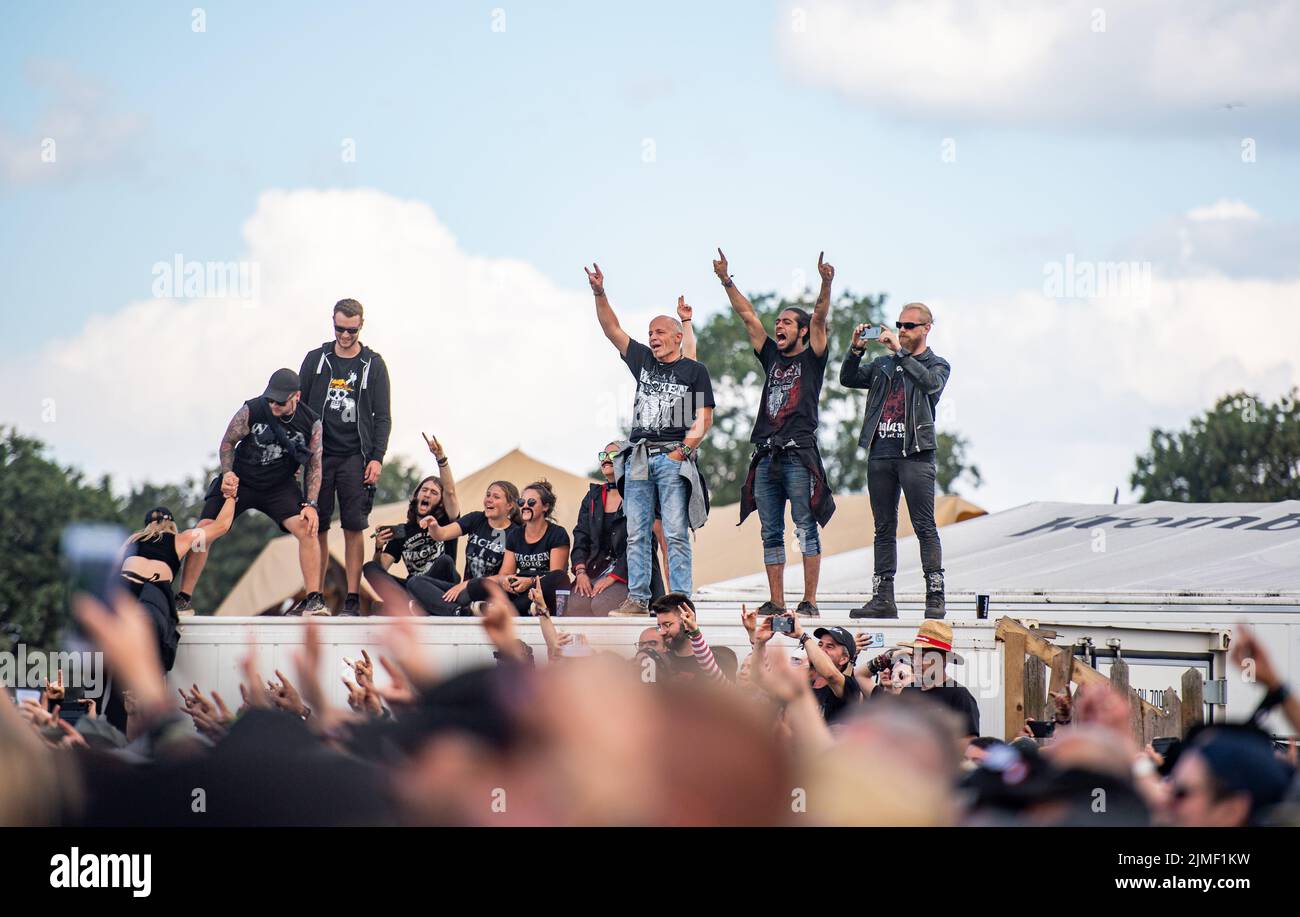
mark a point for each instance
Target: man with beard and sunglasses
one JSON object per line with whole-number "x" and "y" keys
{"x": 346, "y": 384}
{"x": 787, "y": 463}
{"x": 266, "y": 442}
{"x": 903, "y": 390}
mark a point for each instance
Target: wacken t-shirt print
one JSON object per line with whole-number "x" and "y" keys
{"x": 668, "y": 395}
{"x": 485, "y": 547}
{"x": 417, "y": 551}
{"x": 888, "y": 442}
{"x": 533, "y": 558}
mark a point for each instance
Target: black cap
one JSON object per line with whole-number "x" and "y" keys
{"x": 284, "y": 382}
{"x": 840, "y": 636}
{"x": 159, "y": 514}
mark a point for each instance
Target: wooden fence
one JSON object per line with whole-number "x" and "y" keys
{"x": 1034, "y": 668}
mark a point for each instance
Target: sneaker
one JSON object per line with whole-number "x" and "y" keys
{"x": 934, "y": 601}
{"x": 477, "y": 608}
{"x": 631, "y": 608}
{"x": 807, "y": 610}
{"x": 184, "y": 604}
{"x": 882, "y": 600}
{"x": 312, "y": 604}
{"x": 770, "y": 608}
{"x": 351, "y": 607}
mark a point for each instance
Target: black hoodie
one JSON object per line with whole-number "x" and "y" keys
{"x": 374, "y": 420}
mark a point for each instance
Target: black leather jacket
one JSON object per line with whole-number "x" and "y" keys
{"x": 923, "y": 382}
{"x": 600, "y": 542}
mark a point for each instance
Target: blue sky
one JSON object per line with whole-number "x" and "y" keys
{"x": 528, "y": 144}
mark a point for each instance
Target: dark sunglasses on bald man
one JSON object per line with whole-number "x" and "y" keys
{"x": 910, "y": 325}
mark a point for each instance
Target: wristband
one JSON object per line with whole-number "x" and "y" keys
{"x": 685, "y": 321}
{"x": 442, "y": 463}
{"x": 311, "y": 503}
{"x": 803, "y": 640}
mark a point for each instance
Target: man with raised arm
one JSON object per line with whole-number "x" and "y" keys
{"x": 787, "y": 463}
{"x": 672, "y": 412}
{"x": 266, "y": 442}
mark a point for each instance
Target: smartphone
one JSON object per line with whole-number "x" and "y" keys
{"x": 782, "y": 624}
{"x": 1042, "y": 729}
{"x": 872, "y": 333}
{"x": 380, "y": 528}
{"x": 27, "y": 694}
{"x": 91, "y": 560}
{"x": 70, "y": 711}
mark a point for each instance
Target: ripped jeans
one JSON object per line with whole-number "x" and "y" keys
{"x": 790, "y": 481}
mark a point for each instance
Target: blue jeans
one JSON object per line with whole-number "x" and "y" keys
{"x": 790, "y": 482}
{"x": 639, "y": 507}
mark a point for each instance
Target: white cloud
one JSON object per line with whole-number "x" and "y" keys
{"x": 78, "y": 131}
{"x": 1145, "y": 66}
{"x": 485, "y": 352}
{"x": 1058, "y": 396}
{"x": 1228, "y": 238}
{"x": 1223, "y": 209}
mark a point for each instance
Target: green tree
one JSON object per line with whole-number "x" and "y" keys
{"x": 723, "y": 346}
{"x": 1242, "y": 450}
{"x": 398, "y": 477}
{"x": 38, "y": 498}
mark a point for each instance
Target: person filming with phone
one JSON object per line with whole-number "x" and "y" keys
{"x": 831, "y": 653}
{"x": 898, "y": 432}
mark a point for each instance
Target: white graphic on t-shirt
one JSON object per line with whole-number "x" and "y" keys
{"x": 783, "y": 380}
{"x": 483, "y": 555}
{"x": 660, "y": 401}
{"x": 337, "y": 398}
{"x": 267, "y": 450}
{"x": 419, "y": 552}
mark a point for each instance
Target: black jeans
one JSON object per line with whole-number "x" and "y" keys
{"x": 886, "y": 478}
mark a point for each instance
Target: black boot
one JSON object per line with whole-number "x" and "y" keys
{"x": 934, "y": 604}
{"x": 882, "y": 600}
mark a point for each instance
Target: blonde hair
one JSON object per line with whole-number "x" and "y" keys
{"x": 923, "y": 309}
{"x": 154, "y": 530}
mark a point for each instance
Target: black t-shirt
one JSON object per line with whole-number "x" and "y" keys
{"x": 957, "y": 699}
{"x": 790, "y": 394}
{"x": 889, "y": 439}
{"x": 485, "y": 547}
{"x": 340, "y": 418}
{"x": 533, "y": 558}
{"x": 417, "y": 550}
{"x": 668, "y": 395}
{"x": 833, "y": 707}
{"x": 261, "y": 461}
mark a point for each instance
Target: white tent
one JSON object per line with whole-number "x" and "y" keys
{"x": 1251, "y": 550}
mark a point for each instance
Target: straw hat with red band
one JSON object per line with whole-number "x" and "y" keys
{"x": 934, "y": 635}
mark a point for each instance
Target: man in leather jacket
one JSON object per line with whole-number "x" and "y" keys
{"x": 898, "y": 433}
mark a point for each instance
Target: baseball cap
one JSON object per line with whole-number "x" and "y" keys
{"x": 840, "y": 636}
{"x": 282, "y": 385}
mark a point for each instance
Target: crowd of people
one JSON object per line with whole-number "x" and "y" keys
{"x": 808, "y": 728}
{"x": 671, "y": 731}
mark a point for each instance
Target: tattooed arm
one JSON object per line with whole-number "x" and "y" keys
{"x": 236, "y": 430}
{"x": 311, "y": 477}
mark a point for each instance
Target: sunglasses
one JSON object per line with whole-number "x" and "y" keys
{"x": 910, "y": 325}
{"x": 278, "y": 404}
{"x": 339, "y": 329}
{"x": 605, "y": 456}
{"x": 531, "y": 501}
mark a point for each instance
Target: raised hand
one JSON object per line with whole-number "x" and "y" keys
{"x": 889, "y": 339}
{"x": 364, "y": 668}
{"x": 720, "y": 267}
{"x": 750, "y": 620}
{"x": 684, "y": 311}
{"x": 55, "y": 692}
{"x": 825, "y": 269}
{"x": 763, "y": 632}
{"x": 689, "y": 621}
{"x": 285, "y": 696}
{"x": 596, "y": 279}
{"x": 434, "y": 446}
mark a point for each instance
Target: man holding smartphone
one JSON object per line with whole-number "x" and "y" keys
{"x": 899, "y": 435}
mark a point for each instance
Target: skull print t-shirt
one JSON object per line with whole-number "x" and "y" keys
{"x": 340, "y": 418}
{"x": 668, "y": 395}
{"x": 791, "y": 393}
